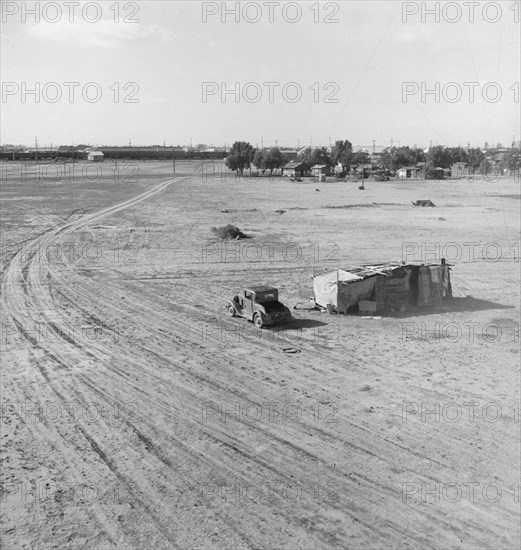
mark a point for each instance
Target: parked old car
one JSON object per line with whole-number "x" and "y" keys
{"x": 259, "y": 304}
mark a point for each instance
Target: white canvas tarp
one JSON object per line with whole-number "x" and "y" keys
{"x": 342, "y": 289}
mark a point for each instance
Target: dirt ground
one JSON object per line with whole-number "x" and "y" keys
{"x": 137, "y": 414}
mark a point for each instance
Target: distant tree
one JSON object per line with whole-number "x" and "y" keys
{"x": 342, "y": 153}
{"x": 258, "y": 159}
{"x": 437, "y": 157}
{"x": 485, "y": 166}
{"x": 305, "y": 155}
{"x": 457, "y": 154}
{"x": 386, "y": 160}
{"x": 240, "y": 156}
{"x": 272, "y": 159}
{"x": 319, "y": 155}
{"x": 268, "y": 159}
{"x": 403, "y": 156}
{"x": 511, "y": 159}
{"x": 475, "y": 157}
{"x": 397, "y": 157}
{"x": 361, "y": 156}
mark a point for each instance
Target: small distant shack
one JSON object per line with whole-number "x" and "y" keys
{"x": 96, "y": 156}
{"x": 320, "y": 171}
{"x": 438, "y": 173}
{"x": 389, "y": 288}
{"x": 297, "y": 169}
{"x": 409, "y": 172}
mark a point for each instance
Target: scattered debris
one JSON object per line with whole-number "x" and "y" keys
{"x": 280, "y": 211}
{"x": 229, "y": 232}
{"x": 290, "y": 350}
{"x": 225, "y": 211}
{"x": 364, "y": 205}
{"x": 423, "y": 203}
{"x": 317, "y": 189}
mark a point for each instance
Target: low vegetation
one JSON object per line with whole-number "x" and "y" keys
{"x": 229, "y": 232}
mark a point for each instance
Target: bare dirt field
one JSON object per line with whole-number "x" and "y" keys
{"x": 136, "y": 414}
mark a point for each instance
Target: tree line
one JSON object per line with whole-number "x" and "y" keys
{"x": 243, "y": 155}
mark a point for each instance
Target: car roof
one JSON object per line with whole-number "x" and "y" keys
{"x": 260, "y": 288}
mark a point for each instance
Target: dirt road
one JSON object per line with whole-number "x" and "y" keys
{"x": 137, "y": 416}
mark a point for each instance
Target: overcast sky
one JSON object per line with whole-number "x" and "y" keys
{"x": 170, "y": 52}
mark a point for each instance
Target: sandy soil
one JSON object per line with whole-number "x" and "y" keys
{"x": 136, "y": 414}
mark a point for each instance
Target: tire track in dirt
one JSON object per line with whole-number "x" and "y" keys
{"x": 25, "y": 298}
{"x": 236, "y": 391}
{"x": 168, "y": 442}
{"x": 34, "y": 300}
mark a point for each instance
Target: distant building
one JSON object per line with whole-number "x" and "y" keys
{"x": 96, "y": 156}
{"x": 459, "y": 170}
{"x": 296, "y": 169}
{"x": 409, "y": 172}
{"x": 320, "y": 170}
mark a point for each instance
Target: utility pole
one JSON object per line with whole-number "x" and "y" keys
{"x": 262, "y": 142}
{"x": 164, "y": 150}
{"x": 374, "y": 147}
{"x": 391, "y": 143}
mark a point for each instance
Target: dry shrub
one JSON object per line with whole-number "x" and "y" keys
{"x": 229, "y": 232}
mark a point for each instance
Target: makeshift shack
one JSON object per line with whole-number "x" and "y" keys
{"x": 392, "y": 288}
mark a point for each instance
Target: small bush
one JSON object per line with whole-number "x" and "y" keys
{"x": 229, "y": 232}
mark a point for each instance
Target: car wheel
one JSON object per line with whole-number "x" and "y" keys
{"x": 257, "y": 320}
{"x": 231, "y": 311}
